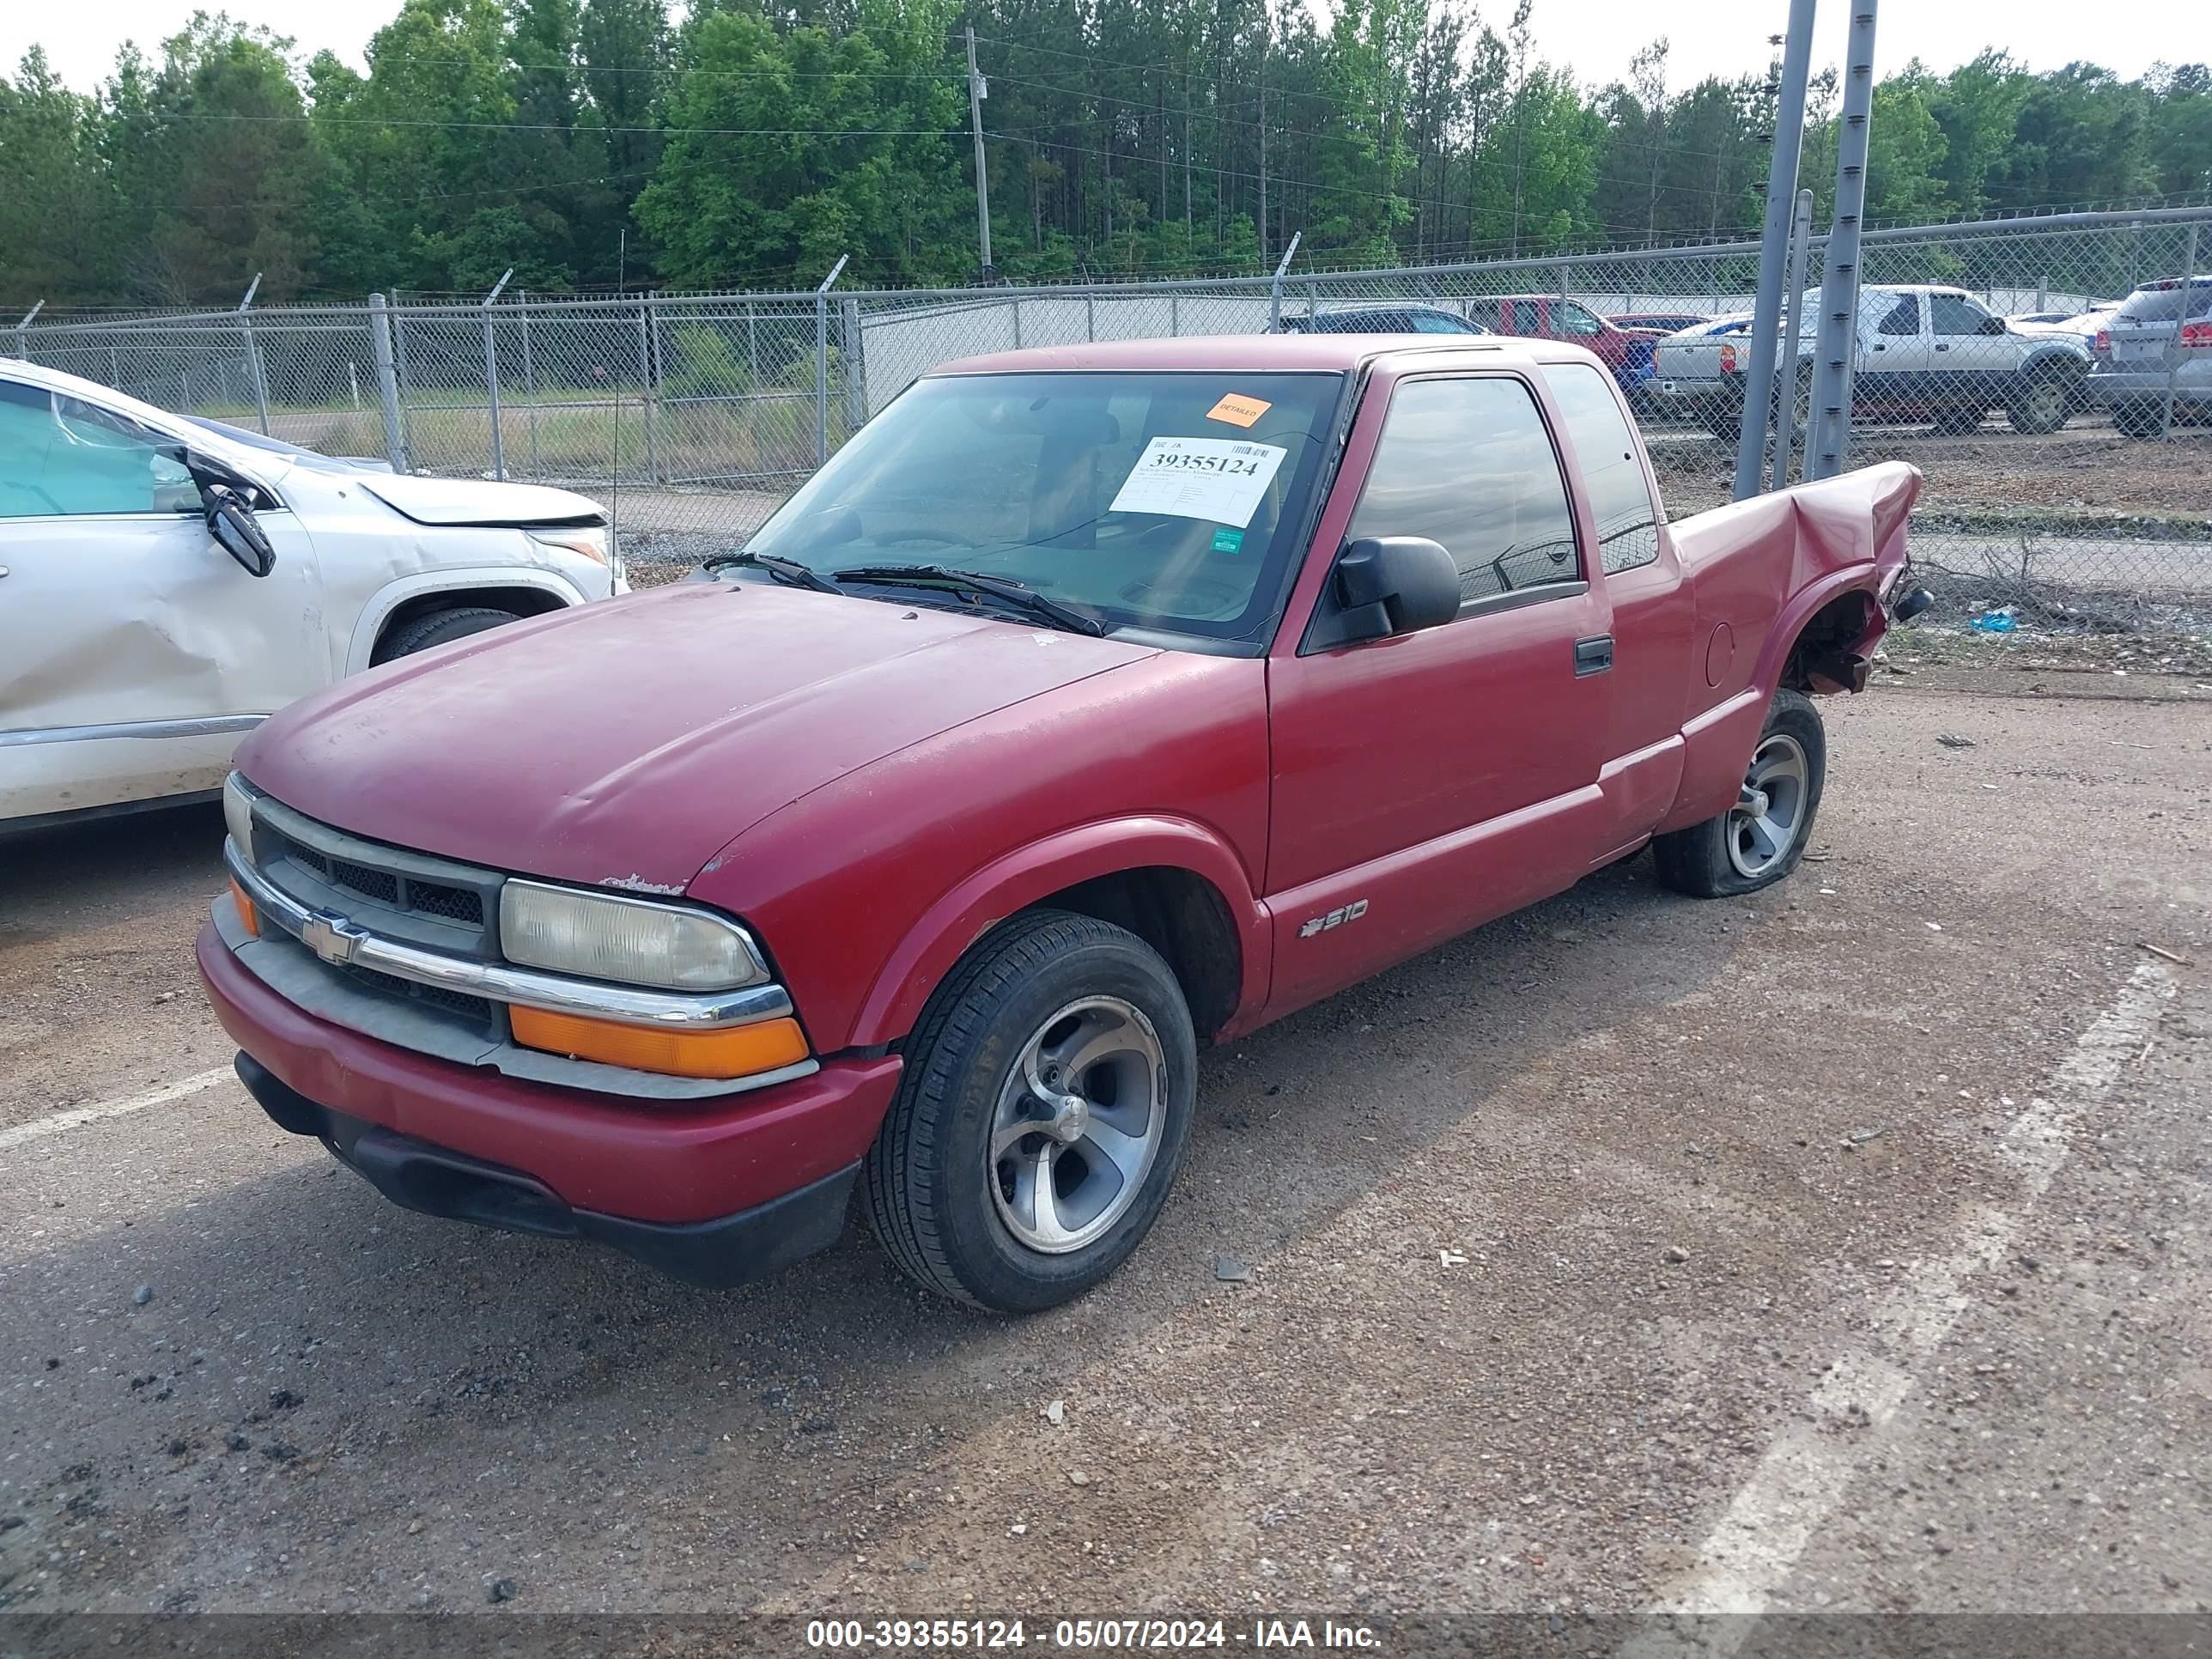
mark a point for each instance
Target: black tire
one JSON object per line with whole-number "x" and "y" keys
{"x": 929, "y": 1178}
{"x": 1698, "y": 860}
{"x": 437, "y": 628}
{"x": 2138, "y": 420}
{"x": 2048, "y": 399}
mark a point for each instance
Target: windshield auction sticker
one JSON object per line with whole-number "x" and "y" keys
{"x": 1238, "y": 410}
{"x": 1219, "y": 480}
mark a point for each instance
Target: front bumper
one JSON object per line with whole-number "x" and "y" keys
{"x": 602, "y": 1156}
{"x": 418, "y": 1175}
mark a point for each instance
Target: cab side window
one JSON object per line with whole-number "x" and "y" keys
{"x": 61, "y": 456}
{"x": 1954, "y": 313}
{"x": 1575, "y": 321}
{"x": 1468, "y": 463}
{"x": 1620, "y": 499}
{"x": 1903, "y": 317}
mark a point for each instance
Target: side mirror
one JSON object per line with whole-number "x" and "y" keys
{"x": 232, "y": 523}
{"x": 1389, "y": 585}
{"x": 1993, "y": 326}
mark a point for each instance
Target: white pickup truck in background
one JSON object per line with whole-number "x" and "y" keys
{"x": 165, "y": 585}
{"x": 1924, "y": 353}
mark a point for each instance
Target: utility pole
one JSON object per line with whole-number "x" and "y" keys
{"x": 978, "y": 90}
{"x": 1836, "y": 355}
{"x": 1774, "y": 250}
{"x": 1263, "y": 149}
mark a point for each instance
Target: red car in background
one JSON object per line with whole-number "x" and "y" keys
{"x": 1627, "y": 352}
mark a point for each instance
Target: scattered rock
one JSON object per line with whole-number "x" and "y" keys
{"x": 1229, "y": 1270}
{"x": 1077, "y": 1478}
{"x": 1860, "y": 1137}
{"x": 1056, "y": 1412}
{"x": 1954, "y": 740}
{"x": 1675, "y": 1255}
{"x": 142, "y": 1294}
{"x": 179, "y": 1447}
{"x": 500, "y": 1590}
{"x": 277, "y": 1452}
{"x": 9, "y": 1523}
{"x": 238, "y": 1443}
{"x": 777, "y": 1399}
{"x": 283, "y": 1400}
{"x": 915, "y": 1564}
{"x": 415, "y": 1526}
{"x": 167, "y": 996}
{"x": 1016, "y": 1529}
{"x": 53, "y": 1364}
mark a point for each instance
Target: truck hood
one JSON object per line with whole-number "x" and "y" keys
{"x": 479, "y": 502}
{"x": 622, "y": 744}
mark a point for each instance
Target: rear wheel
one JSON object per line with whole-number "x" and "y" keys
{"x": 2042, "y": 404}
{"x": 2139, "y": 420}
{"x": 1047, "y": 1097}
{"x": 438, "y": 628}
{"x": 1759, "y": 840}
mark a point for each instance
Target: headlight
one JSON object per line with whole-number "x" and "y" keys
{"x": 631, "y": 941}
{"x": 586, "y": 541}
{"x": 238, "y": 816}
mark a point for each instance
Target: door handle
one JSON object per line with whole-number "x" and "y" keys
{"x": 1593, "y": 655}
{"x": 1879, "y": 346}
{"x": 1941, "y": 347}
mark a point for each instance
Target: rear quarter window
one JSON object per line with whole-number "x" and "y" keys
{"x": 1620, "y": 500}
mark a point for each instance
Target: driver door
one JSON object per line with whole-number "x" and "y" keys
{"x": 133, "y": 649}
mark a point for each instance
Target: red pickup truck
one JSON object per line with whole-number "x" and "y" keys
{"x": 1089, "y": 703}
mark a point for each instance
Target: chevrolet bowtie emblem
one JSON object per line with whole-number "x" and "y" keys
{"x": 332, "y": 938}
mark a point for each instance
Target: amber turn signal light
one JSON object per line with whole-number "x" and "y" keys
{"x": 246, "y": 910}
{"x": 733, "y": 1051}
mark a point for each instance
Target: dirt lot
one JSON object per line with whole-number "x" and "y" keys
{"x": 1843, "y": 1250}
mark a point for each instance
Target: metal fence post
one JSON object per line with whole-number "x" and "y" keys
{"x": 822, "y": 361}
{"x": 646, "y": 389}
{"x": 255, "y": 378}
{"x": 1837, "y": 352}
{"x": 23, "y": 332}
{"x": 387, "y": 381}
{"x": 1786, "y": 367}
{"x": 529, "y": 384}
{"x": 1090, "y": 318}
{"x": 403, "y": 379}
{"x": 853, "y": 348}
{"x": 752, "y": 341}
{"x": 1774, "y": 250}
{"x": 1175, "y": 315}
{"x": 2180, "y": 326}
{"x": 491, "y": 379}
{"x": 1015, "y": 302}
{"x": 1275, "y": 288}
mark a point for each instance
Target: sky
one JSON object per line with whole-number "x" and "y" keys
{"x": 1595, "y": 37}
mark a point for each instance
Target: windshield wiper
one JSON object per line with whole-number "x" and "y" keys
{"x": 790, "y": 572}
{"x": 1026, "y": 599}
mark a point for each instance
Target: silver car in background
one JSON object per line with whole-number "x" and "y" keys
{"x": 2154, "y": 341}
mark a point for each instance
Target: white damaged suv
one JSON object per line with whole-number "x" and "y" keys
{"x": 165, "y": 585}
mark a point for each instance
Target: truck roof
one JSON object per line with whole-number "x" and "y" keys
{"x": 1254, "y": 352}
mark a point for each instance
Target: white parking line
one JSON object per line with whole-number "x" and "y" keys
{"x": 39, "y": 1128}
{"x": 1810, "y": 1466}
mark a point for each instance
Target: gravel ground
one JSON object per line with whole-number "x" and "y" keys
{"x": 1840, "y": 1249}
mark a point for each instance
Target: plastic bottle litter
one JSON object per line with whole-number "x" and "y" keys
{"x": 2000, "y": 620}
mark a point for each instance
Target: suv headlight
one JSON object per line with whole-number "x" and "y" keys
{"x": 631, "y": 941}
{"x": 238, "y": 816}
{"x": 586, "y": 541}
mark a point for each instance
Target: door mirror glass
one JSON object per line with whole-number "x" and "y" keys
{"x": 1993, "y": 325}
{"x": 233, "y": 524}
{"x": 1392, "y": 585}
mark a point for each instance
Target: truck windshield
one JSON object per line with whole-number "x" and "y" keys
{"x": 1157, "y": 501}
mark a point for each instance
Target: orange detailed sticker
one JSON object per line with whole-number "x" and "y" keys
{"x": 1238, "y": 410}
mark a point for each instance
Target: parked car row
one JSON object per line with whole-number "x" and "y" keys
{"x": 1924, "y": 353}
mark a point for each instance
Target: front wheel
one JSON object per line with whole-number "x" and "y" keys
{"x": 1759, "y": 840}
{"x": 1046, "y": 1101}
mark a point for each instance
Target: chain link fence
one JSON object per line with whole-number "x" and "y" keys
{"x": 2052, "y": 376}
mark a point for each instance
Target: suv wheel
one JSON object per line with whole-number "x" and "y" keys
{"x": 1759, "y": 840}
{"x": 438, "y": 628}
{"x": 2140, "y": 419}
{"x": 1046, "y": 1098}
